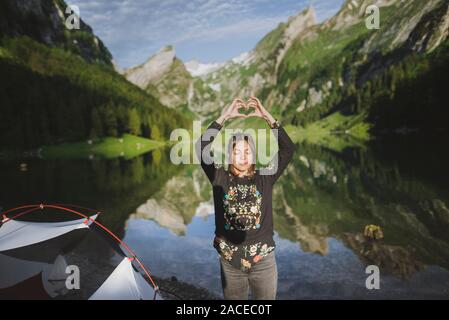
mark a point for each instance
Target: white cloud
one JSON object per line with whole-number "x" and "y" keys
{"x": 239, "y": 28}
{"x": 132, "y": 26}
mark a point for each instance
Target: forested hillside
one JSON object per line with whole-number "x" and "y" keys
{"x": 51, "y": 93}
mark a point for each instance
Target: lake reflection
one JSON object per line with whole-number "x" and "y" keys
{"x": 321, "y": 206}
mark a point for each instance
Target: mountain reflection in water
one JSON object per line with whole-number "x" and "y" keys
{"x": 321, "y": 206}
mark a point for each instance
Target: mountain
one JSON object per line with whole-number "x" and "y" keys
{"x": 176, "y": 203}
{"x": 205, "y": 93}
{"x": 44, "y": 21}
{"x": 60, "y": 85}
{"x": 174, "y": 84}
{"x": 342, "y": 66}
{"x": 197, "y": 68}
{"x": 306, "y": 71}
{"x": 252, "y": 72}
{"x": 153, "y": 68}
{"x": 164, "y": 76}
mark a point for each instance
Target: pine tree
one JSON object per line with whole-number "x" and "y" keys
{"x": 134, "y": 122}
{"x": 155, "y": 133}
{"x": 110, "y": 121}
{"x": 96, "y": 128}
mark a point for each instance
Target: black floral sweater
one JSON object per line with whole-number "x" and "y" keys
{"x": 243, "y": 205}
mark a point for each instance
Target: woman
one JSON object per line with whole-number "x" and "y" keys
{"x": 243, "y": 206}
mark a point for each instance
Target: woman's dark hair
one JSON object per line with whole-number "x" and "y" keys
{"x": 236, "y": 137}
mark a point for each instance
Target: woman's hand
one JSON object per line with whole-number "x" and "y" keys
{"x": 232, "y": 111}
{"x": 260, "y": 111}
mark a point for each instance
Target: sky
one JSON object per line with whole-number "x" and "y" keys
{"x": 206, "y": 30}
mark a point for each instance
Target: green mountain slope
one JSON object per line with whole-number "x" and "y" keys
{"x": 344, "y": 66}
{"x": 374, "y": 80}
{"x": 44, "y": 21}
{"x": 51, "y": 94}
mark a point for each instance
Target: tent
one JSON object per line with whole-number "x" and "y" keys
{"x": 33, "y": 257}
{"x": 35, "y": 280}
{"x": 15, "y": 234}
{"x": 125, "y": 283}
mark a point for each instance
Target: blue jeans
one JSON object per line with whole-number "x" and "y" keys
{"x": 261, "y": 278}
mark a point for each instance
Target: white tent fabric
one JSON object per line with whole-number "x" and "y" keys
{"x": 16, "y": 234}
{"x": 124, "y": 283}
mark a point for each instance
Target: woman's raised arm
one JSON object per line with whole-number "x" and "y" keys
{"x": 204, "y": 143}
{"x": 283, "y": 156}
{"x": 286, "y": 146}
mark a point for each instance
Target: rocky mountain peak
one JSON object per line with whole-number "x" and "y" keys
{"x": 307, "y": 14}
{"x": 167, "y": 48}
{"x": 353, "y": 10}
{"x": 300, "y": 22}
{"x": 155, "y": 67}
{"x": 295, "y": 26}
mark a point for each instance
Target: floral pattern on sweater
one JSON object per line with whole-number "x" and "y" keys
{"x": 242, "y": 256}
{"x": 242, "y": 209}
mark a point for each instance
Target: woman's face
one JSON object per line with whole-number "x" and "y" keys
{"x": 242, "y": 157}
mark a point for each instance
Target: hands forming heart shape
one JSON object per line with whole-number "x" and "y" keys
{"x": 251, "y": 108}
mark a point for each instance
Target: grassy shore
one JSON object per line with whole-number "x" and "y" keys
{"x": 337, "y": 131}
{"x": 128, "y": 146}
